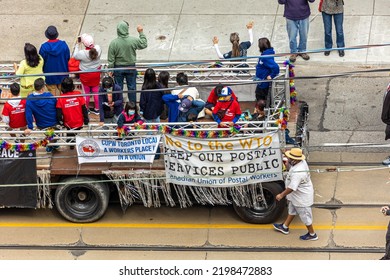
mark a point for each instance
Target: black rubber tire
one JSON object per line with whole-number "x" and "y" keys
{"x": 302, "y": 132}
{"x": 82, "y": 199}
{"x": 262, "y": 215}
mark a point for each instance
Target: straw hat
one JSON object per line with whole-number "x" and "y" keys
{"x": 295, "y": 153}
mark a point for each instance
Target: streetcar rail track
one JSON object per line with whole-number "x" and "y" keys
{"x": 208, "y": 248}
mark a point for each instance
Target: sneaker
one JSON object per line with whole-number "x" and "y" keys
{"x": 94, "y": 111}
{"x": 384, "y": 258}
{"x": 386, "y": 161}
{"x": 293, "y": 57}
{"x": 341, "y": 53}
{"x": 326, "y": 53}
{"x": 305, "y": 56}
{"x": 308, "y": 237}
{"x": 50, "y": 149}
{"x": 279, "y": 227}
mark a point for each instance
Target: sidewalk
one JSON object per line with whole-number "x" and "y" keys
{"x": 181, "y": 30}
{"x": 342, "y": 110}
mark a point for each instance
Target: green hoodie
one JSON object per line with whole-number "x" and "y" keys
{"x": 122, "y": 50}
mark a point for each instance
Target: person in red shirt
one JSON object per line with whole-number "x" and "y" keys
{"x": 71, "y": 110}
{"x": 14, "y": 111}
{"x": 227, "y": 111}
{"x": 213, "y": 98}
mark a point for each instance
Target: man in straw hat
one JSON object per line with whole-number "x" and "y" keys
{"x": 299, "y": 193}
{"x": 386, "y": 211}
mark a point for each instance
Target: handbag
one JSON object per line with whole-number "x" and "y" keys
{"x": 222, "y": 112}
{"x": 73, "y": 65}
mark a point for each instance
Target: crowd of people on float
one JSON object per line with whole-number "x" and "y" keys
{"x": 35, "y": 98}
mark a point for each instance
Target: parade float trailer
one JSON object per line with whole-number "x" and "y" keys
{"x": 199, "y": 162}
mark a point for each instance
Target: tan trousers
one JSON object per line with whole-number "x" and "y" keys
{"x": 54, "y": 89}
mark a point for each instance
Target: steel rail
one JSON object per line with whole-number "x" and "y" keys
{"x": 207, "y": 248}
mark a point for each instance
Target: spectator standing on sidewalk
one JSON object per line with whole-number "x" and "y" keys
{"x": 297, "y": 14}
{"x": 89, "y": 60}
{"x": 386, "y": 211}
{"x": 122, "y": 53}
{"x": 32, "y": 64}
{"x": 299, "y": 193}
{"x": 333, "y": 9}
{"x": 386, "y": 119}
{"x": 56, "y": 55}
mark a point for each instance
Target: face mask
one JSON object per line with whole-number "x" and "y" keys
{"x": 131, "y": 112}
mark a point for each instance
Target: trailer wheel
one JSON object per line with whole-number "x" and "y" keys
{"x": 302, "y": 130}
{"x": 261, "y": 214}
{"x": 82, "y": 199}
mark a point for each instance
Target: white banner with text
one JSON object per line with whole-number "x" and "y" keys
{"x": 223, "y": 162}
{"x": 135, "y": 150}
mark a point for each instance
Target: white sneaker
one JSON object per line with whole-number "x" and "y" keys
{"x": 386, "y": 161}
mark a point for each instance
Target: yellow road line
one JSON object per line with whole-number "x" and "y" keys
{"x": 184, "y": 226}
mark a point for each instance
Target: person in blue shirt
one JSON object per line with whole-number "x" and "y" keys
{"x": 238, "y": 49}
{"x": 266, "y": 68}
{"x": 182, "y": 108}
{"x": 55, "y": 54}
{"x": 41, "y": 107}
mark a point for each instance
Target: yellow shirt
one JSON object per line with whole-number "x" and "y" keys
{"x": 24, "y": 69}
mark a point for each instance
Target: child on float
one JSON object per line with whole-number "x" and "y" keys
{"x": 227, "y": 111}
{"x": 151, "y": 102}
{"x": 213, "y": 98}
{"x": 163, "y": 80}
{"x": 14, "y": 111}
{"x": 110, "y": 101}
{"x": 71, "y": 109}
{"x": 266, "y": 68}
{"x": 129, "y": 115}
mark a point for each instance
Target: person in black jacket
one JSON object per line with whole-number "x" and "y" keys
{"x": 386, "y": 211}
{"x": 386, "y": 119}
{"x": 151, "y": 102}
{"x": 110, "y": 102}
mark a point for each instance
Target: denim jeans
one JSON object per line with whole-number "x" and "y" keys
{"x": 131, "y": 79}
{"x": 338, "y": 22}
{"x": 293, "y": 28}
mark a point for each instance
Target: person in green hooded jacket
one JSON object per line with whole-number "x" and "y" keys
{"x": 122, "y": 54}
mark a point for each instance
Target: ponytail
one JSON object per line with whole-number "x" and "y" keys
{"x": 93, "y": 54}
{"x": 235, "y": 40}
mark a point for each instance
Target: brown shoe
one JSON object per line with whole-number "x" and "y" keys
{"x": 305, "y": 56}
{"x": 293, "y": 57}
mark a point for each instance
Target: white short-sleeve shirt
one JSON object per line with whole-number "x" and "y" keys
{"x": 298, "y": 179}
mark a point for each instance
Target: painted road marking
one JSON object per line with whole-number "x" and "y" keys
{"x": 186, "y": 226}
